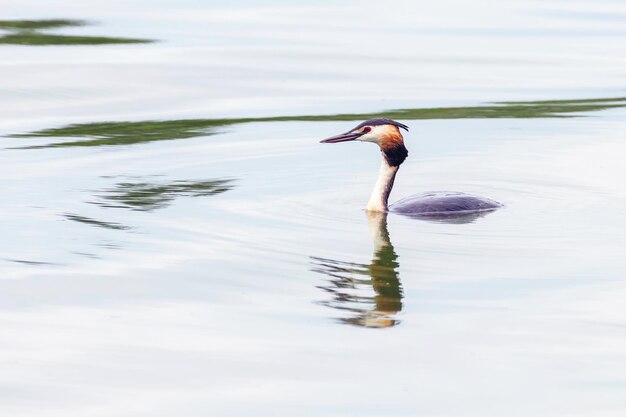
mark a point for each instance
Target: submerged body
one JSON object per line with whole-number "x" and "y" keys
{"x": 386, "y": 134}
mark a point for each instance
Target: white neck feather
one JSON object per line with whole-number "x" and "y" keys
{"x": 382, "y": 189}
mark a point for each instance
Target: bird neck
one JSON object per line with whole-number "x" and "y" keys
{"x": 382, "y": 189}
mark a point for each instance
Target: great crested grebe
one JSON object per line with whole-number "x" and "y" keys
{"x": 386, "y": 134}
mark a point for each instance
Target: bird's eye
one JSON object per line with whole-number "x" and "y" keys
{"x": 367, "y": 129}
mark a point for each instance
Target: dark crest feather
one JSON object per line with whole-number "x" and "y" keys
{"x": 377, "y": 121}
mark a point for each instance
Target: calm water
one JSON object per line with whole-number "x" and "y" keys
{"x": 176, "y": 242}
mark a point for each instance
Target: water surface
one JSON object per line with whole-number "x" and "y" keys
{"x": 177, "y": 242}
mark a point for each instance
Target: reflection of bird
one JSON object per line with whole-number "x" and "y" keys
{"x": 386, "y": 134}
{"x": 347, "y": 281}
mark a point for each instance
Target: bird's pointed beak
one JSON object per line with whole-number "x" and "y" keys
{"x": 344, "y": 137}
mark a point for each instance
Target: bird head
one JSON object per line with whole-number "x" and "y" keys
{"x": 381, "y": 131}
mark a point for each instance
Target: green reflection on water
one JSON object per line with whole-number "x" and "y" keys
{"x": 144, "y": 196}
{"x": 347, "y": 281}
{"x": 94, "y": 222}
{"x": 126, "y": 133}
{"x": 40, "y": 24}
{"x": 28, "y": 32}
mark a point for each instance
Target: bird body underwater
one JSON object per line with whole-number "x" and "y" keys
{"x": 387, "y": 135}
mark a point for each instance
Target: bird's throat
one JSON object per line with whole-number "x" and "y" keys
{"x": 382, "y": 189}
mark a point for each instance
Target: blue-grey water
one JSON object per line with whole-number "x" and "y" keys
{"x": 176, "y": 242}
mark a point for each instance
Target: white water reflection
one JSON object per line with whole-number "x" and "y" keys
{"x": 208, "y": 306}
{"x": 212, "y": 300}
{"x": 244, "y": 59}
